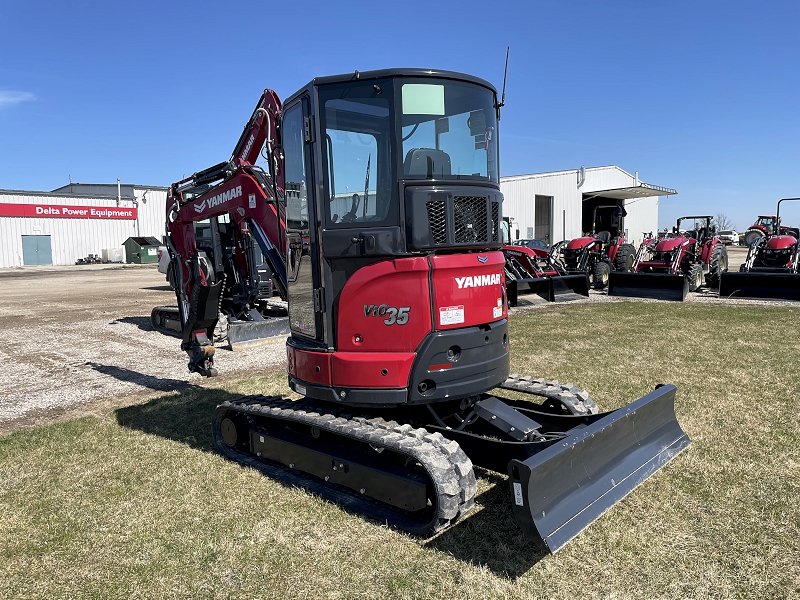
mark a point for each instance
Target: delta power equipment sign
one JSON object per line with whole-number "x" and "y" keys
{"x": 60, "y": 211}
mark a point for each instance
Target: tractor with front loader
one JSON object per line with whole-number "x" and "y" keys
{"x": 533, "y": 271}
{"x": 399, "y": 343}
{"x": 669, "y": 268}
{"x": 599, "y": 252}
{"x": 771, "y": 269}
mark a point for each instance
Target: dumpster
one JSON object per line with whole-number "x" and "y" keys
{"x": 141, "y": 250}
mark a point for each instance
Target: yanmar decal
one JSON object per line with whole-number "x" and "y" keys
{"x": 218, "y": 199}
{"x": 477, "y": 281}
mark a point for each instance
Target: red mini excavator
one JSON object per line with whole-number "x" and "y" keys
{"x": 375, "y": 200}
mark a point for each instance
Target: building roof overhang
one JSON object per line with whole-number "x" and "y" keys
{"x": 643, "y": 190}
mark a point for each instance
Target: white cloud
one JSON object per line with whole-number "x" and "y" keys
{"x": 11, "y": 98}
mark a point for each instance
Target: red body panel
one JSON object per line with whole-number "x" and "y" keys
{"x": 579, "y": 243}
{"x": 708, "y": 248}
{"x": 529, "y": 258}
{"x": 781, "y": 242}
{"x": 670, "y": 244}
{"x": 311, "y": 367}
{"x": 372, "y": 370}
{"x": 612, "y": 250}
{"x": 396, "y": 284}
{"x": 467, "y": 291}
{"x": 524, "y": 250}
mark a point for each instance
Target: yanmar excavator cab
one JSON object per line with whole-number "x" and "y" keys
{"x": 375, "y": 198}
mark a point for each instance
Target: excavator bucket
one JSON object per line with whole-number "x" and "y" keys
{"x": 776, "y": 286}
{"x": 250, "y": 334}
{"x": 659, "y": 286}
{"x": 561, "y": 490}
{"x": 562, "y": 288}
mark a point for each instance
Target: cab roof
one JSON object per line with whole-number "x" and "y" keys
{"x": 396, "y": 72}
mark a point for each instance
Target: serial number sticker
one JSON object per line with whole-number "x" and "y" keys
{"x": 450, "y": 315}
{"x": 499, "y": 302}
{"x": 518, "y": 494}
{"x": 497, "y": 311}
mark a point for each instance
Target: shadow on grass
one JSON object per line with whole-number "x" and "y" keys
{"x": 183, "y": 415}
{"x": 490, "y": 537}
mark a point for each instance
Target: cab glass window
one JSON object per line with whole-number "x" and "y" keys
{"x": 357, "y": 146}
{"x": 449, "y": 131}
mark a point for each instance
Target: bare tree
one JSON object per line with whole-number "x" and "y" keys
{"x": 723, "y": 222}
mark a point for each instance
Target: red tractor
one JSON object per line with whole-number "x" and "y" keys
{"x": 668, "y": 268}
{"x": 771, "y": 269}
{"x": 532, "y": 270}
{"x": 398, "y": 344}
{"x": 598, "y": 253}
{"x": 767, "y": 226}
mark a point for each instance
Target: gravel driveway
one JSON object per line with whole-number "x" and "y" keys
{"x": 71, "y": 335}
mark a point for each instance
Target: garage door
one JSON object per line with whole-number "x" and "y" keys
{"x": 36, "y": 250}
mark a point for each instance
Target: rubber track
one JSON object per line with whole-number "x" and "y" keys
{"x": 577, "y": 401}
{"x": 445, "y": 462}
{"x": 171, "y": 311}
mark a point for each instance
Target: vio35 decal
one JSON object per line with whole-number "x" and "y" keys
{"x": 394, "y": 315}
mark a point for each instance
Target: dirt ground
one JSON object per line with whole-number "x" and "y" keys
{"x": 71, "y": 337}
{"x": 77, "y": 340}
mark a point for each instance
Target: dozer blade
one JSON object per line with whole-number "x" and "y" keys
{"x": 659, "y": 286}
{"x": 776, "y": 286}
{"x": 564, "y": 488}
{"x": 250, "y": 334}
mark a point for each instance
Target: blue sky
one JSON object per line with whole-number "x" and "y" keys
{"x": 703, "y": 97}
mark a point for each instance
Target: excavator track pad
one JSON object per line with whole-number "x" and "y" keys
{"x": 415, "y": 480}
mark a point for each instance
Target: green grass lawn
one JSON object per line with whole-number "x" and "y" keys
{"x": 140, "y": 506}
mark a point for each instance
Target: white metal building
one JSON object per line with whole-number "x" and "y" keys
{"x": 561, "y": 205}
{"x": 71, "y": 222}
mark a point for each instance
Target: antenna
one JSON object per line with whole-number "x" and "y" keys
{"x": 505, "y": 72}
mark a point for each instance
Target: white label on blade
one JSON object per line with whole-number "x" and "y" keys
{"x": 450, "y": 315}
{"x": 251, "y": 200}
{"x": 300, "y": 389}
{"x": 497, "y": 311}
{"x": 518, "y": 494}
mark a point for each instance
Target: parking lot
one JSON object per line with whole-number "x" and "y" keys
{"x": 74, "y": 337}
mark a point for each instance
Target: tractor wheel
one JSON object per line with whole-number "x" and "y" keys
{"x": 695, "y": 276}
{"x": 600, "y": 275}
{"x": 623, "y": 261}
{"x": 717, "y": 265}
{"x": 751, "y": 236}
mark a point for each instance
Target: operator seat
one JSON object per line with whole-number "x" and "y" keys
{"x": 603, "y": 236}
{"x": 426, "y": 162}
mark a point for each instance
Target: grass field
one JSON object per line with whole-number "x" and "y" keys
{"x": 139, "y": 505}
